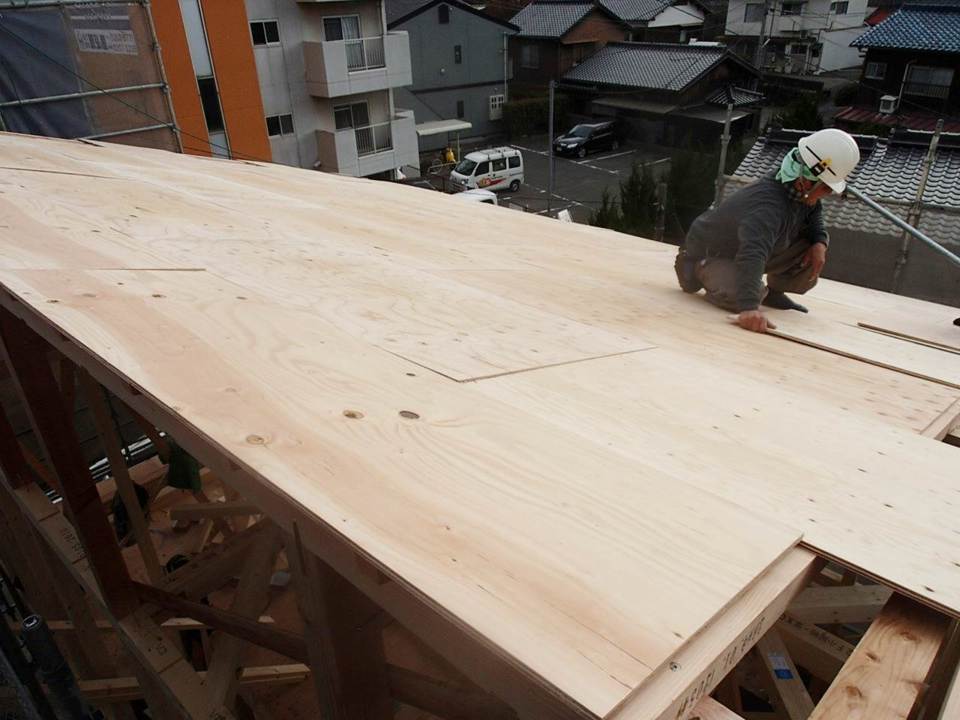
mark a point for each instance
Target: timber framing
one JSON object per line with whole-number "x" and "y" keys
{"x": 787, "y": 636}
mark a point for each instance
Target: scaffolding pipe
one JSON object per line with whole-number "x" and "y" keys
{"x": 129, "y": 131}
{"x": 933, "y": 244}
{"x": 79, "y": 94}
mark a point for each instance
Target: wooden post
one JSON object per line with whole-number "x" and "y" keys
{"x": 25, "y": 354}
{"x": 343, "y": 638}
{"x": 121, "y": 474}
{"x": 253, "y": 595}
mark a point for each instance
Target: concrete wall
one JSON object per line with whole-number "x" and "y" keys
{"x": 439, "y": 82}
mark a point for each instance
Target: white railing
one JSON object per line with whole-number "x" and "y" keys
{"x": 373, "y": 138}
{"x": 364, "y": 53}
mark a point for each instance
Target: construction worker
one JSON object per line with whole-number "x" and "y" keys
{"x": 773, "y": 226}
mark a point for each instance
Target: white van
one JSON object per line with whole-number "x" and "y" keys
{"x": 495, "y": 169}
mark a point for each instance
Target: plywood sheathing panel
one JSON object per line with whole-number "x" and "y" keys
{"x": 545, "y": 544}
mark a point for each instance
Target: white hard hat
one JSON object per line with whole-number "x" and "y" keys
{"x": 831, "y": 155}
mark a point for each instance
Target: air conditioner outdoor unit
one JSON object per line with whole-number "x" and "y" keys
{"x": 888, "y": 104}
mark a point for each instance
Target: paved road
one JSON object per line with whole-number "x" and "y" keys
{"x": 578, "y": 184}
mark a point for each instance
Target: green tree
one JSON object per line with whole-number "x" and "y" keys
{"x": 638, "y": 197}
{"x": 801, "y": 114}
{"x": 608, "y": 214}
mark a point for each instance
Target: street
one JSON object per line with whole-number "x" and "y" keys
{"x": 578, "y": 184}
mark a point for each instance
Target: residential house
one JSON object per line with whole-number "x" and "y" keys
{"x": 670, "y": 94}
{"x": 460, "y": 69}
{"x": 676, "y": 21}
{"x": 909, "y": 76}
{"x": 555, "y": 36}
{"x": 327, "y": 72}
{"x": 209, "y": 63}
{"x": 800, "y": 37}
{"x": 83, "y": 70}
{"x": 865, "y": 249}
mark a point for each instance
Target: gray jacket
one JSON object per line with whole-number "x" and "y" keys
{"x": 751, "y": 226}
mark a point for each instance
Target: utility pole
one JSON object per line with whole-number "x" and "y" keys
{"x": 724, "y": 144}
{"x": 758, "y": 59}
{"x": 553, "y": 84}
{"x": 506, "y": 66}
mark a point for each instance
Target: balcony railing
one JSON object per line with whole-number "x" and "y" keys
{"x": 926, "y": 89}
{"x": 365, "y": 53}
{"x": 373, "y": 138}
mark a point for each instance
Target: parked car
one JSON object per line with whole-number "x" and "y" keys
{"x": 587, "y": 138}
{"x": 485, "y": 197}
{"x": 494, "y": 169}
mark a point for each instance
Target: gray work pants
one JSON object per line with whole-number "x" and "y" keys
{"x": 719, "y": 276}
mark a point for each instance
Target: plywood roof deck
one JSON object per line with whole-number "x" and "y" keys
{"x": 523, "y": 422}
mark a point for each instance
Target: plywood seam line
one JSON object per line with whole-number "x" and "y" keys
{"x": 853, "y": 356}
{"x": 493, "y": 376}
{"x": 908, "y": 338}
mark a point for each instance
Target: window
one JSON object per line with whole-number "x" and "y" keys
{"x": 457, "y": 54}
{"x": 279, "y": 125}
{"x": 210, "y": 100}
{"x": 500, "y": 165}
{"x": 839, "y": 8}
{"x": 341, "y": 28}
{"x": 483, "y": 168}
{"x": 496, "y": 107}
{"x": 752, "y": 13}
{"x": 875, "y": 71}
{"x": 460, "y": 109}
{"x": 530, "y": 56}
{"x": 443, "y": 14}
{"x": 932, "y": 82}
{"x": 265, "y": 32}
{"x": 351, "y": 116}
{"x": 515, "y": 161}
{"x": 791, "y": 8}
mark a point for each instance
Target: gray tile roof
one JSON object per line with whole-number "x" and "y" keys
{"x": 889, "y": 172}
{"x": 397, "y": 9}
{"x": 632, "y": 11}
{"x": 550, "y": 19}
{"x": 731, "y": 94}
{"x": 916, "y": 27}
{"x": 651, "y": 66}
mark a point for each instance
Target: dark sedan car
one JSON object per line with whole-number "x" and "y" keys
{"x": 587, "y": 138}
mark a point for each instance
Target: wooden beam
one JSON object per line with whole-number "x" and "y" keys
{"x": 288, "y": 644}
{"x": 216, "y": 565}
{"x": 25, "y": 352}
{"x": 175, "y": 623}
{"x": 700, "y": 665}
{"x": 783, "y": 676}
{"x": 97, "y": 403}
{"x": 125, "y": 689}
{"x": 443, "y": 699}
{"x": 710, "y": 709}
{"x": 818, "y": 651}
{"x": 209, "y": 510}
{"x": 837, "y": 605}
{"x": 252, "y": 597}
{"x": 889, "y": 667}
{"x": 173, "y": 688}
{"x": 346, "y": 648}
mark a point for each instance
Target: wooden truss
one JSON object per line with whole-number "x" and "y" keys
{"x": 805, "y": 641}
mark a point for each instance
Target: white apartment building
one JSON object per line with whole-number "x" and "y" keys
{"x": 803, "y": 37}
{"x": 327, "y": 71}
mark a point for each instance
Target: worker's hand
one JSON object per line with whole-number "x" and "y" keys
{"x": 816, "y": 257}
{"x": 755, "y": 320}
